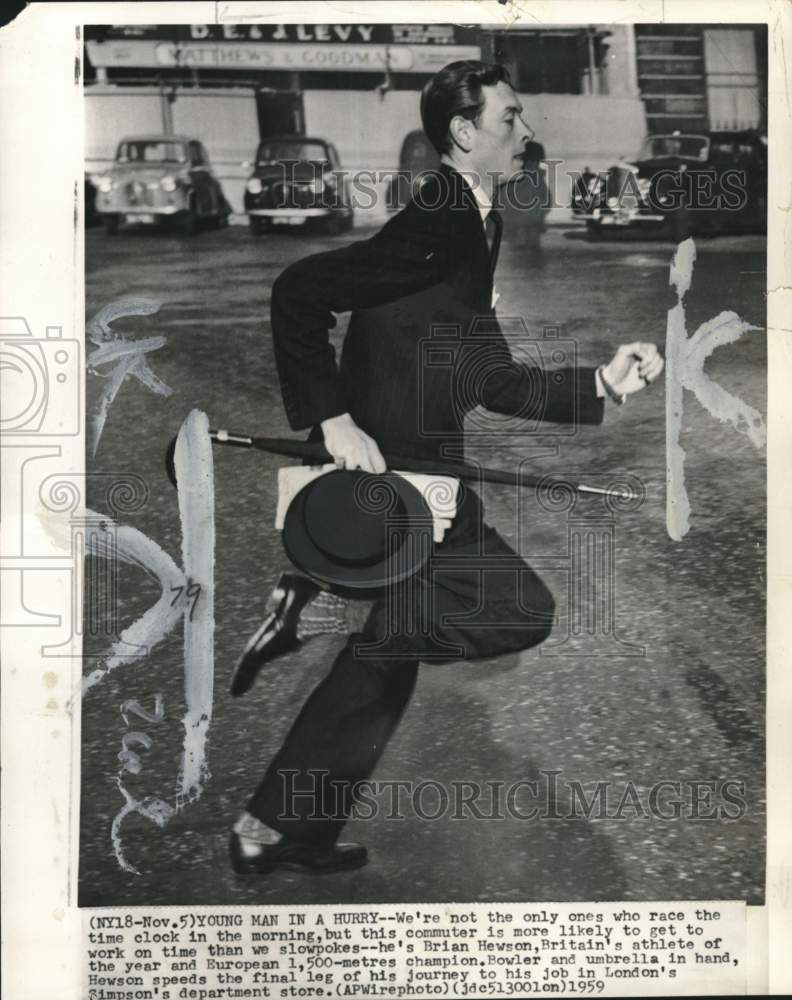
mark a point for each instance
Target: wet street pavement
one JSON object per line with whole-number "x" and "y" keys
{"x": 672, "y": 693}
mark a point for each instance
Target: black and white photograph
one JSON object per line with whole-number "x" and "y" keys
{"x": 394, "y": 549}
{"x": 425, "y": 426}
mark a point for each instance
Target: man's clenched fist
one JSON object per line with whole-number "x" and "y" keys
{"x": 634, "y": 367}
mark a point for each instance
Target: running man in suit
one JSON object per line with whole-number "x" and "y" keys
{"x": 433, "y": 263}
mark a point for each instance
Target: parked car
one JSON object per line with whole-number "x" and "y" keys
{"x": 298, "y": 181}
{"x": 161, "y": 178}
{"x": 682, "y": 183}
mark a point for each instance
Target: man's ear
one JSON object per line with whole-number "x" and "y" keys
{"x": 461, "y": 131}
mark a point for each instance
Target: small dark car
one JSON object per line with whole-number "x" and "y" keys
{"x": 161, "y": 178}
{"x": 682, "y": 183}
{"x": 298, "y": 182}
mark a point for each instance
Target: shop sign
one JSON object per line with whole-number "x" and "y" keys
{"x": 278, "y": 56}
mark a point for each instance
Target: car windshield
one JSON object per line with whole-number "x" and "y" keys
{"x": 305, "y": 152}
{"x": 151, "y": 151}
{"x": 689, "y": 147}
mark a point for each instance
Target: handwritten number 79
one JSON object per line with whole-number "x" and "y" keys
{"x": 192, "y": 590}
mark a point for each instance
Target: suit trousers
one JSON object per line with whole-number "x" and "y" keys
{"x": 474, "y": 598}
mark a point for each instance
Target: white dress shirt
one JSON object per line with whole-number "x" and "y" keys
{"x": 484, "y": 202}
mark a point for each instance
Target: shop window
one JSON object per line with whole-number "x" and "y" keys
{"x": 568, "y": 61}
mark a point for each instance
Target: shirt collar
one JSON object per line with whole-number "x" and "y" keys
{"x": 482, "y": 201}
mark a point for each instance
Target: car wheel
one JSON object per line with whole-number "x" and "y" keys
{"x": 258, "y": 226}
{"x": 111, "y": 222}
{"x": 332, "y": 224}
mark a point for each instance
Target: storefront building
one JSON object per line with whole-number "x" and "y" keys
{"x": 590, "y": 92}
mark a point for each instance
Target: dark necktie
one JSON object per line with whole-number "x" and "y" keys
{"x": 493, "y": 227}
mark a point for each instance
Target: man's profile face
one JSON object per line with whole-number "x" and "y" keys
{"x": 500, "y": 134}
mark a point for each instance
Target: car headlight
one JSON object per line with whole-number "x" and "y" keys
{"x": 105, "y": 185}
{"x": 613, "y": 202}
{"x": 168, "y": 183}
{"x": 254, "y": 185}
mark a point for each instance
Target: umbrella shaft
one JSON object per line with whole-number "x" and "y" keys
{"x": 315, "y": 452}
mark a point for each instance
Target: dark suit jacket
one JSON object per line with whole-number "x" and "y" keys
{"x": 423, "y": 345}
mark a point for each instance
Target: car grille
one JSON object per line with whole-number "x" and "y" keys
{"x": 138, "y": 193}
{"x": 280, "y": 195}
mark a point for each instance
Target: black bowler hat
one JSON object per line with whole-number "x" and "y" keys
{"x": 356, "y": 531}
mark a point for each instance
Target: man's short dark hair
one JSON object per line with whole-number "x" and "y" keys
{"x": 456, "y": 90}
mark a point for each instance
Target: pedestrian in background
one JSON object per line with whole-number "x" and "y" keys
{"x": 526, "y": 203}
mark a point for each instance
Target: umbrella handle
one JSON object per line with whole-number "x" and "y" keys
{"x": 312, "y": 451}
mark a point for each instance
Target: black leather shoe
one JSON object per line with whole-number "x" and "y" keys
{"x": 278, "y": 632}
{"x": 296, "y": 856}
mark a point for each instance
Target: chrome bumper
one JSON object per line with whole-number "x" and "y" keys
{"x": 158, "y": 210}
{"x": 626, "y": 217}
{"x": 285, "y": 213}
